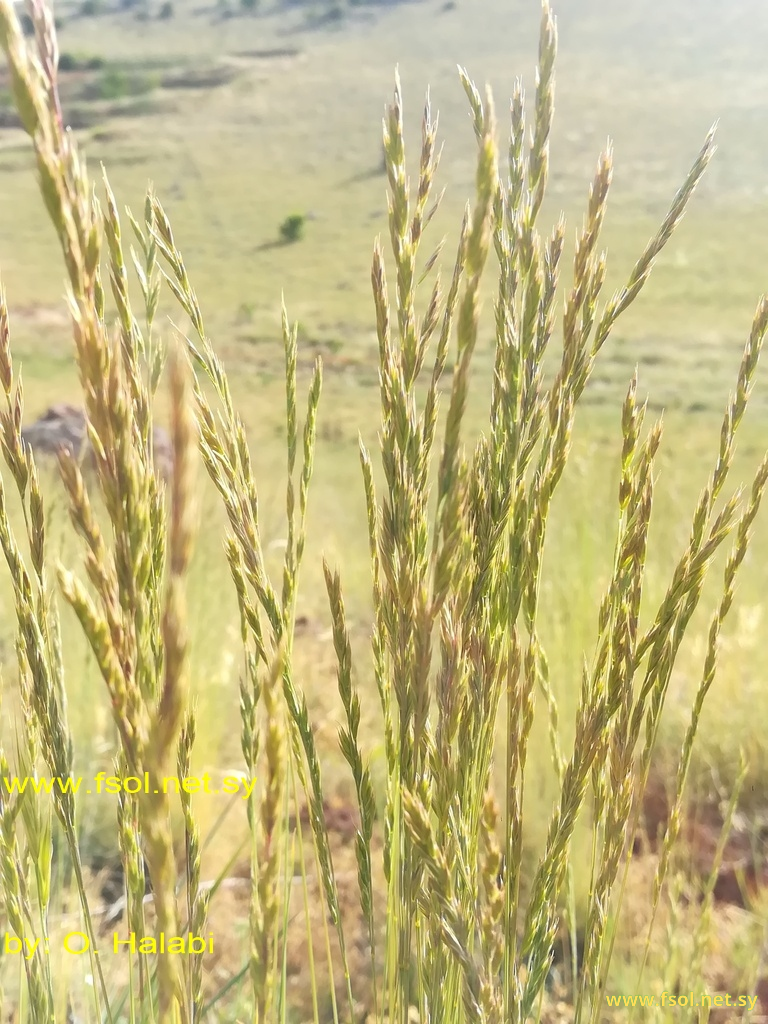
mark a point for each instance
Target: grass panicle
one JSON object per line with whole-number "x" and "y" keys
{"x": 460, "y": 914}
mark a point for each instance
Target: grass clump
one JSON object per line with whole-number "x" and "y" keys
{"x": 456, "y": 930}
{"x": 292, "y": 228}
{"x": 80, "y": 62}
{"x": 116, "y": 84}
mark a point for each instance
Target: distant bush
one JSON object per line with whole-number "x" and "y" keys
{"x": 115, "y": 84}
{"x": 292, "y": 228}
{"x": 91, "y": 8}
{"x": 166, "y": 11}
{"x": 78, "y": 62}
{"x": 249, "y": 5}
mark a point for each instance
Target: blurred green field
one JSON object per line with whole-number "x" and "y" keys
{"x": 293, "y": 126}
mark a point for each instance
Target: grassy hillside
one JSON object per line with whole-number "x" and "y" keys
{"x": 292, "y": 125}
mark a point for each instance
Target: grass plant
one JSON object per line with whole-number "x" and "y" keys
{"x": 456, "y": 928}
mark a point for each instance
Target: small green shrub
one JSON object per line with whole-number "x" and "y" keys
{"x": 292, "y": 228}
{"x": 77, "y": 62}
{"x": 116, "y": 84}
{"x": 68, "y": 62}
{"x": 91, "y": 8}
{"x": 167, "y": 11}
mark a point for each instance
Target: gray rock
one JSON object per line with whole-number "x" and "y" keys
{"x": 63, "y": 426}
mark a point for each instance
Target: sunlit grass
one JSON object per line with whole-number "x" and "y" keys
{"x": 498, "y": 775}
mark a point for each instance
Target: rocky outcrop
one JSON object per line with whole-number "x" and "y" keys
{"x": 63, "y": 426}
